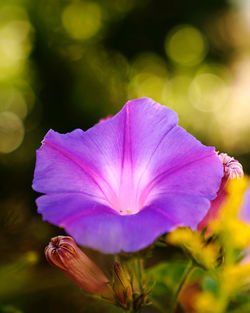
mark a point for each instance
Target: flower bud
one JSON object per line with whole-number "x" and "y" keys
{"x": 203, "y": 253}
{"x": 122, "y": 286}
{"x": 63, "y": 253}
{"x": 232, "y": 168}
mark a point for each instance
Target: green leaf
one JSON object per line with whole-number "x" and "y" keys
{"x": 165, "y": 276}
{"x": 210, "y": 284}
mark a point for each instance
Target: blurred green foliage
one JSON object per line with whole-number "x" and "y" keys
{"x": 66, "y": 64}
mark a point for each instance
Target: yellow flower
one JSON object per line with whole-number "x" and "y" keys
{"x": 228, "y": 226}
{"x": 192, "y": 242}
{"x": 205, "y": 303}
{"x": 235, "y": 278}
{"x": 236, "y": 189}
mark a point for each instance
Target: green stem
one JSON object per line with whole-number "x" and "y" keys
{"x": 138, "y": 271}
{"x": 182, "y": 281}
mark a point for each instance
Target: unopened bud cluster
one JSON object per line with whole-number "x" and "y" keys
{"x": 122, "y": 286}
{"x": 63, "y": 253}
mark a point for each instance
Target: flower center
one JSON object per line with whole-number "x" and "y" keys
{"x": 126, "y": 211}
{"x": 128, "y": 193}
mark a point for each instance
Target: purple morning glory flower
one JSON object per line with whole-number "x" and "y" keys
{"x": 124, "y": 182}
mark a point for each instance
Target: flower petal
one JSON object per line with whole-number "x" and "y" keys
{"x": 183, "y": 165}
{"x": 59, "y": 209}
{"x": 59, "y": 169}
{"x": 112, "y": 233}
{"x": 181, "y": 210}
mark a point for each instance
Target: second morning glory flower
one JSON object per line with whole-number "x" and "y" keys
{"x": 125, "y": 181}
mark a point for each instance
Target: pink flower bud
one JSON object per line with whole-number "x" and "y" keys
{"x": 63, "y": 253}
{"x": 232, "y": 170}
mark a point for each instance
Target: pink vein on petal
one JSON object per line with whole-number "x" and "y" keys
{"x": 169, "y": 172}
{"x": 126, "y": 149}
{"x": 90, "y": 172}
{"x": 151, "y": 156}
{"x": 91, "y": 211}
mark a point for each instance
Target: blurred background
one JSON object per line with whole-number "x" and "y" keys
{"x": 66, "y": 64}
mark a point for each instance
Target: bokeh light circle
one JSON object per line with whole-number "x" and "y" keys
{"x": 185, "y": 45}
{"x": 208, "y": 92}
{"x": 82, "y": 20}
{"x": 12, "y": 100}
{"x": 11, "y": 132}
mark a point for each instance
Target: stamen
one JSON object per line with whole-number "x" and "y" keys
{"x": 127, "y": 212}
